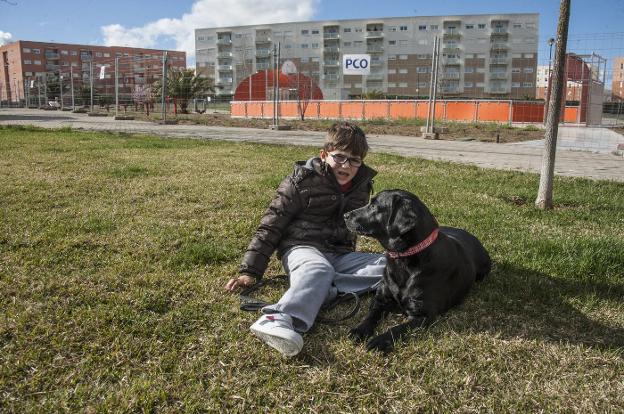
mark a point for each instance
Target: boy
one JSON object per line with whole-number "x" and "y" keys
{"x": 305, "y": 223}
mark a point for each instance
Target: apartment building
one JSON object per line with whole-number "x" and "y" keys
{"x": 27, "y": 63}
{"x": 617, "y": 81}
{"x": 491, "y": 56}
{"x": 573, "y": 89}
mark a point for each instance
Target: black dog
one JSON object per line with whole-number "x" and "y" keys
{"x": 430, "y": 269}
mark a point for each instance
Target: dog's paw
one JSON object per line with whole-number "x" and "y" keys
{"x": 382, "y": 343}
{"x": 360, "y": 333}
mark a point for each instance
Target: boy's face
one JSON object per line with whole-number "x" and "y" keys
{"x": 342, "y": 164}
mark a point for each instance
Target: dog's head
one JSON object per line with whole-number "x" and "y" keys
{"x": 398, "y": 219}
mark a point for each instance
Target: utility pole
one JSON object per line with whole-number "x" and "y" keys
{"x": 164, "y": 87}
{"x": 116, "y": 86}
{"x": 61, "y": 87}
{"x": 544, "y": 194}
{"x": 91, "y": 78}
{"x": 71, "y": 75}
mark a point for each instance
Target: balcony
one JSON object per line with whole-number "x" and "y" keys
{"x": 376, "y": 62}
{"x": 499, "y": 46}
{"x": 260, "y": 39}
{"x": 263, "y": 66}
{"x": 375, "y": 77}
{"x": 451, "y": 34}
{"x": 263, "y": 53}
{"x": 331, "y": 63}
{"x": 450, "y": 90}
{"x": 52, "y": 56}
{"x": 453, "y": 50}
{"x": 499, "y": 34}
{"x": 224, "y": 68}
{"x": 225, "y": 82}
{"x": 331, "y": 35}
{"x": 374, "y": 49}
{"x": 498, "y": 61}
{"x": 498, "y": 75}
{"x": 375, "y": 34}
{"x": 224, "y": 55}
{"x": 451, "y": 75}
{"x": 331, "y": 77}
{"x": 52, "y": 67}
{"x": 331, "y": 49}
{"x": 224, "y": 41}
{"x": 452, "y": 61}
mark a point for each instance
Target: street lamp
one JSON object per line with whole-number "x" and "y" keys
{"x": 551, "y": 42}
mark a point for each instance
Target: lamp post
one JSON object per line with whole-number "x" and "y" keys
{"x": 551, "y": 42}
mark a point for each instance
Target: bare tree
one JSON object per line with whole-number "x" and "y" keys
{"x": 544, "y": 194}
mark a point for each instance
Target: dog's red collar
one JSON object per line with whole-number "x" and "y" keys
{"x": 417, "y": 248}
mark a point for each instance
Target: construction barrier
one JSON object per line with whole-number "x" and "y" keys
{"x": 506, "y": 112}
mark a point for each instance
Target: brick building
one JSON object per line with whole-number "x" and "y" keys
{"x": 27, "y": 65}
{"x": 491, "y": 56}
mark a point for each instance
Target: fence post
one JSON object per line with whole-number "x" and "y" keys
{"x": 476, "y": 111}
{"x": 510, "y": 112}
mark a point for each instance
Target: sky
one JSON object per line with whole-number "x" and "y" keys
{"x": 169, "y": 24}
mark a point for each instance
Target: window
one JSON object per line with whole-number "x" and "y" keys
{"x": 26, "y": 50}
{"x": 421, "y": 28}
{"x": 200, "y": 38}
{"x": 403, "y": 42}
{"x": 392, "y": 57}
{"x": 515, "y": 84}
{"x": 468, "y": 84}
{"x": 422, "y": 84}
{"x": 305, "y": 32}
{"x": 403, "y": 28}
{"x": 347, "y": 30}
{"x": 277, "y": 33}
{"x": 106, "y": 54}
{"x": 27, "y": 62}
{"x": 517, "y": 25}
{"x": 528, "y": 70}
{"x": 528, "y": 56}
{"x": 64, "y": 52}
{"x": 315, "y": 32}
{"x": 481, "y": 25}
{"x": 469, "y": 70}
{"x": 392, "y": 29}
{"x": 402, "y": 57}
{"x": 74, "y": 53}
{"x": 315, "y": 59}
{"x": 515, "y": 70}
{"x": 391, "y": 85}
{"x": 358, "y": 43}
{"x": 288, "y": 33}
{"x": 37, "y": 62}
{"x": 36, "y": 51}
{"x": 402, "y": 70}
{"x": 433, "y": 27}
{"x": 391, "y": 71}
{"x": 470, "y": 26}
{"x": 403, "y": 85}
{"x": 527, "y": 85}
{"x": 530, "y": 25}
{"x": 358, "y": 30}
{"x": 422, "y": 69}
{"x": 304, "y": 60}
{"x": 288, "y": 46}
{"x": 422, "y": 41}
{"x": 347, "y": 44}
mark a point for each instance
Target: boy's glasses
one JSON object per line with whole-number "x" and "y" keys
{"x": 342, "y": 159}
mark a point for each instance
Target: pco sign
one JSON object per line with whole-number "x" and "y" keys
{"x": 356, "y": 64}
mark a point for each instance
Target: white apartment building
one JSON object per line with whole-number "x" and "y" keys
{"x": 481, "y": 55}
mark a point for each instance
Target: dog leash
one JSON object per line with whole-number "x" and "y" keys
{"x": 250, "y": 303}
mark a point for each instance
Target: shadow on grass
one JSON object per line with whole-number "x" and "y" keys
{"x": 514, "y": 302}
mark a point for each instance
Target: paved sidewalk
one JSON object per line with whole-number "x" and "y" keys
{"x": 578, "y": 162}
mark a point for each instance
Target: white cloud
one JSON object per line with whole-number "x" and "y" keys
{"x": 5, "y": 37}
{"x": 208, "y": 13}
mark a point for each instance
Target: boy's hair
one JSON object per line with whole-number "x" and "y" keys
{"x": 346, "y": 136}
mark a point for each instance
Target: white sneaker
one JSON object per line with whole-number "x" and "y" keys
{"x": 276, "y": 329}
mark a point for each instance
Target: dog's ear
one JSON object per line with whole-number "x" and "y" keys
{"x": 402, "y": 219}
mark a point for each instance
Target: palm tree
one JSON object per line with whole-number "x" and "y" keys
{"x": 184, "y": 85}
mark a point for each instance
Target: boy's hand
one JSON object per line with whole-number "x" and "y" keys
{"x": 242, "y": 281}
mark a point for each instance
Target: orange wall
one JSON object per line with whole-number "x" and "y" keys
{"x": 465, "y": 111}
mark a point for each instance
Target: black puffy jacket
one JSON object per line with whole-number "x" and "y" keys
{"x": 307, "y": 209}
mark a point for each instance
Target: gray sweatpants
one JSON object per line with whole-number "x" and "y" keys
{"x": 316, "y": 277}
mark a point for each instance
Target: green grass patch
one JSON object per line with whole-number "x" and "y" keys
{"x": 114, "y": 250}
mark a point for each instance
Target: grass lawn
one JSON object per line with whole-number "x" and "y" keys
{"x": 114, "y": 250}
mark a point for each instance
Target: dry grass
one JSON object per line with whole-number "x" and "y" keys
{"x": 114, "y": 250}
